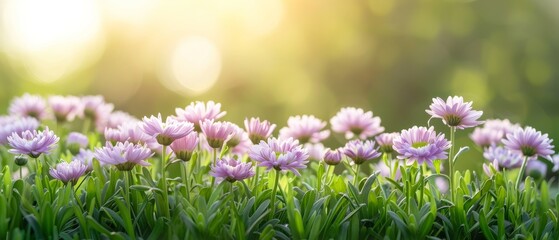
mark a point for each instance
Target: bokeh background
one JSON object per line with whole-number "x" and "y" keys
{"x": 277, "y": 58}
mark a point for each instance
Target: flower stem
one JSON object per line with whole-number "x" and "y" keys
{"x": 451, "y": 162}
{"x": 215, "y": 161}
{"x": 274, "y": 191}
{"x": 186, "y": 179}
{"x": 356, "y": 178}
{"x": 521, "y": 173}
{"x": 165, "y": 203}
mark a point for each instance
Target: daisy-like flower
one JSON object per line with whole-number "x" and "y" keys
{"x": 455, "y": 112}
{"x": 116, "y": 119}
{"x": 17, "y": 125}
{"x": 529, "y": 143}
{"x": 243, "y": 144}
{"x": 355, "y": 122}
{"x": 421, "y": 144}
{"x": 96, "y": 109}
{"x": 333, "y": 157}
{"x": 29, "y": 106}
{"x": 316, "y": 151}
{"x": 492, "y": 132}
{"x": 237, "y": 136}
{"x": 280, "y": 154}
{"x": 66, "y": 108}
{"x": 124, "y": 156}
{"x": 75, "y": 141}
{"x": 197, "y": 112}
{"x": 385, "y": 141}
{"x": 217, "y": 132}
{"x": 504, "y": 157}
{"x": 306, "y": 128}
{"x": 85, "y": 156}
{"x": 258, "y": 130}
{"x": 231, "y": 170}
{"x": 68, "y": 171}
{"x": 165, "y": 132}
{"x": 361, "y": 151}
{"x": 33, "y": 143}
{"x": 184, "y": 147}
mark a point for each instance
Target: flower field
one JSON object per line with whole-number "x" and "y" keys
{"x": 76, "y": 168}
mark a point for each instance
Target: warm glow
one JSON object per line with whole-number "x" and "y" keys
{"x": 134, "y": 12}
{"x": 52, "y": 38}
{"x": 194, "y": 66}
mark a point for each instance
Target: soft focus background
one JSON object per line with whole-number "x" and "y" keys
{"x": 274, "y": 58}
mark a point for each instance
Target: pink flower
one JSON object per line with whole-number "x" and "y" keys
{"x": 29, "y": 106}
{"x": 68, "y": 172}
{"x": 232, "y": 170}
{"x": 385, "y": 141}
{"x": 66, "y": 108}
{"x": 280, "y": 154}
{"x": 197, "y": 112}
{"x": 165, "y": 132}
{"x": 305, "y": 129}
{"x": 333, "y": 157}
{"x": 529, "y": 143}
{"x": 33, "y": 143}
{"x": 15, "y": 124}
{"x": 217, "y": 132}
{"x": 455, "y": 112}
{"x": 355, "y": 122}
{"x": 258, "y": 130}
{"x": 421, "y": 144}
{"x": 184, "y": 147}
{"x": 361, "y": 151}
{"x": 123, "y": 155}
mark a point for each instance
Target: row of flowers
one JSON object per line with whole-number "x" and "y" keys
{"x": 131, "y": 142}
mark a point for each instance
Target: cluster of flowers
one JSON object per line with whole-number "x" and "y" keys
{"x": 131, "y": 142}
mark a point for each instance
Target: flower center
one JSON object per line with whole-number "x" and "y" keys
{"x": 528, "y": 150}
{"x": 419, "y": 144}
{"x": 452, "y": 120}
{"x": 356, "y": 130}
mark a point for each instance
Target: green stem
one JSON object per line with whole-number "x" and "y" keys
{"x": 215, "y": 161}
{"x": 165, "y": 204}
{"x": 20, "y": 173}
{"x": 86, "y": 125}
{"x": 185, "y": 177}
{"x": 356, "y": 178}
{"x": 274, "y": 191}
{"x": 451, "y": 163}
{"x": 127, "y": 189}
{"x": 521, "y": 173}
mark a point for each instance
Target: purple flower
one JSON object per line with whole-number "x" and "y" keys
{"x": 257, "y": 130}
{"x": 316, "y": 151}
{"x": 232, "y": 170}
{"x": 536, "y": 169}
{"x": 14, "y": 124}
{"x": 421, "y": 144}
{"x": 455, "y": 112}
{"x": 217, "y": 132}
{"x": 75, "y": 141}
{"x": 385, "y": 141}
{"x": 97, "y": 109}
{"x": 280, "y": 154}
{"x": 131, "y": 132}
{"x": 116, "y": 119}
{"x": 197, "y": 112}
{"x": 488, "y": 169}
{"x": 305, "y": 129}
{"x": 333, "y": 157}
{"x": 237, "y": 136}
{"x": 68, "y": 172}
{"x": 28, "y": 106}
{"x": 502, "y": 125}
{"x": 243, "y": 144}
{"x": 504, "y": 157}
{"x": 493, "y": 131}
{"x": 165, "y": 132}
{"x": 123, "y": 155}
{"x": 361, "y": 151}
{"x": 66, "y": 108}
{"x": 33, "y": 143}
{"x": 184, "y": 147}
{"x": 86, "y": 158}
{"x": 529, "y": 143}
{"x": 355, "y": 122}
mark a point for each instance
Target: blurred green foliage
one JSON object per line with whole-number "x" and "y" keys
{"x": 388, "y": 56}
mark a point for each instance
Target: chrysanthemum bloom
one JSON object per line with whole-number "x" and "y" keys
{"x": 504, "y": 157}
{"x": 116, "y": 119}
{"x": 232, "y": 170}
{"x": 529, "y": 143}
{"x": 385, "y": 141}
{"x": 305, "y": 129}
{"x": 492, "y": 132}
{"x": 66, "y": 108}
{"x": 355, "y": 122}
{"x": 421, "y": 144}
{"x": 316, "y": 151}
{"x": 361, "y": 151}
{"x": 258, "y": 130}
{"x": 455, "y": 112}
{"x": 280, "y": 154}
{"x": 503, "y": 125}
{"x": 29, "y": 106}
{"x": 124, "y": 156}
{"x": 184, "y": 147}
{"x": 96, "y": 109}
{"x": 75, "y": 141}
{"x": 14, "y": 124}
{"x": 237, "y": 136}
{"x": 33, "y": 143}
{"x": 243, "y": 146}
{"x": 85, "y": 156}
{"x": 68, "y": 171}
{"x": 333, "y": 157}
{"x": 165, "y": 132}
{"x": 197, "y": 112}
{"x": 217, "y": 132}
